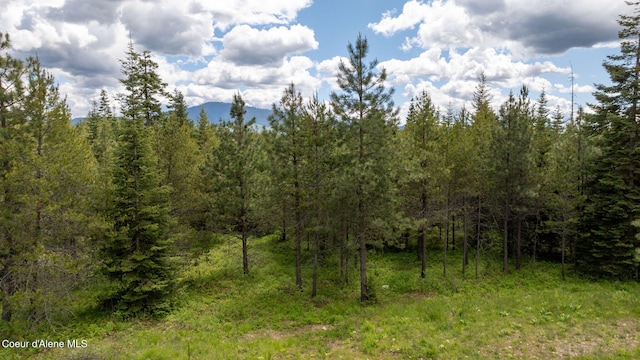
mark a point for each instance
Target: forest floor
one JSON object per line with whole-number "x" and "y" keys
{"x": 222, "y": 314}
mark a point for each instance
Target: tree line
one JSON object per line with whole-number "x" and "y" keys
{"x": 114, "y": 201}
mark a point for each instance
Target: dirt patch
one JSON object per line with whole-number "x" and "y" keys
{"x": 593, "y": 338}
{"x": 421, "y": 296}
{"x": 283, "y": 334}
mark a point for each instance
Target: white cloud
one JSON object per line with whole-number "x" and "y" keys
{"x": 244, "y": 45}
{"x": 81, "y": 42}
{"x": 211, "y": 49}
{"x": 500, "y": 68}
{"x": 525, "y": 28}
{"x": 262, "y": 85}
{"x": 170, "y": 29}
{"x": 253, "y": 12}
{"x": 411, "y": 15}
{"x": 576, "y": 89}
{"x": 328, "y": 71}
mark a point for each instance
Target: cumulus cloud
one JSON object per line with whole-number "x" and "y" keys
{"x": 168, "y": 29}
{"x": 104, "y": 12}
{"x": 263, "y": 84}
{"x": 256, "y": 46}
{"x": 81, "y": 42}
{"x": 497, "y": 66}
{"x": 451, "y": 77}
{"x": 253, "y": 12}
{"x": 525, "y": 28}
{"x": 244, "y": 45}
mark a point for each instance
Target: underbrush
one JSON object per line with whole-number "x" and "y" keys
{"x": 220, "y": 313}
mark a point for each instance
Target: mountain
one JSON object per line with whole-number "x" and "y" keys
{"x": 217, "y": 111}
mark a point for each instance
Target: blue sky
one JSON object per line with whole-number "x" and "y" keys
{"x": 211, "y": 49}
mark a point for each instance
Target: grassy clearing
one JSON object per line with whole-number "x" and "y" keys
{"x": 222, "y": 314}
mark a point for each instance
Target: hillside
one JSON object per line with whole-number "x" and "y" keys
{"x": 217, "y": 111}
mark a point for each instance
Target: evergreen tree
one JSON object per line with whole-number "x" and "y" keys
{"x": 285, "y": 123}
{"x": 561, "y": 187}
{"x": 12, "y": 147}
{"x": 543, "y": 137}
{"x": 143, "y": 87}
{"x": 178, "y": 161}
{"x": 512, "y": 168}
{"x": 233, "y": 168}
{"x": 318, "y": 131}
{"x": 481, "y": 135}
{"x": 422, "y": 134}
{"x": 57, "y": 176}
{"x": 46, "y": 177}
{"x": 207, "y": 140}
{"x": 205, "y": 133}
{"x": 178, "y": 108}
{"x": 136, "y": 254}
{"x": 609, "y": 243}
{"x": 101, "y": 129}
{"x": 365, "y": 105}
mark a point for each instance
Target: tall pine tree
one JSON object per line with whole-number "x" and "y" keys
{"x": 609, "y": 241}
{"x": 288, "y": 150}
{"x": 366, "y": 106}
{"x": 422, "y": 132}
{"x": 136, "y": 254}
{"x": 233, "y": 169}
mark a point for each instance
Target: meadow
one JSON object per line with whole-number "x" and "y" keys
{"x": 219, "y": 313}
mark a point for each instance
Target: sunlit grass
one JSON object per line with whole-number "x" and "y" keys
{"x": 222, "y": 314}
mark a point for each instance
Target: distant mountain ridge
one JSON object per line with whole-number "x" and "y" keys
{"x": 217, "y": 111}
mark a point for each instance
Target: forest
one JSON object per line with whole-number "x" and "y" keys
{"x": 109, "y": 212}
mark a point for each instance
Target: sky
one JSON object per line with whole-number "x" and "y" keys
{"x": 209, "y": 50}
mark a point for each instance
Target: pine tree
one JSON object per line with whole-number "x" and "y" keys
{"x": 12, "y": 95}
{"x": 136, "y": 254}
{"x": 178, "y": 160}
{"x": 318, "y": 131}
{"x": 561, "y": 186}
{"x": 422, "y": 134}
{"x": 233, "y": 168}
{"x": 512, "y": 168}
{"x": 365, "y": 105}
{"x": 481, "y": 135}
{"x": 543, "y": 137}
{"x": 101, "y": 129}
{"x": 207, "y": 140}
{"x": 57, "y": 176}
{"x": 143, "y": 87}
{"x": 46, "y": 177}
{"x": 285, "y": 123}
{"x": 609, "y": 241}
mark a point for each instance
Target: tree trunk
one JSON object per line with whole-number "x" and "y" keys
{"x": 346, "y": 257}
{"x": 284, "y": 222}
{"x": 505, "y": 242}
{"x": 465, "y": 242}
{"x": 423, "y": 238}
{"x": 478, "y": 236}
{"x": 453, "y": 232}
{"x": 423, "y": 253}
{"x": 245, "y": 257}
{"x": 314, "y": 283}
{"x": 364, "y": 291}
{"x": 298, "y": 238}
{"x": 518, "y": 243}
{"x": 563, "y": 251}
{"x": 444, "y": 260}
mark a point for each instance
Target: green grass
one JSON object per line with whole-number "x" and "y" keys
{"x": 222, "y": 314}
